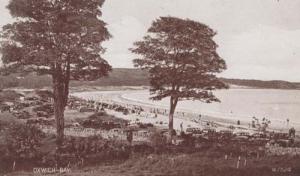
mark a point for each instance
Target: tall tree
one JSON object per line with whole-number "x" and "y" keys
{"x": 182, "y": 61}
{"x": 61, "y": 38}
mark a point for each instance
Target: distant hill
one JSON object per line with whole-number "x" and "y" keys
{"x": 130, "y": 77}
{"x": 119, "y": 77}
{"x": 276, "y": 84}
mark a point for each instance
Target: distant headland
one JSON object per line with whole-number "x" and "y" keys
{"x": 133, "y": 77}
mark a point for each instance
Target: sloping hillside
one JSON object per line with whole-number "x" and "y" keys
{"x": 130, "y": 77}
{"x": 276, "y": 84}
{"x": 120, "y": 77}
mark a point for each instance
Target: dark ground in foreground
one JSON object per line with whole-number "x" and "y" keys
{"x": 197, "y": 164}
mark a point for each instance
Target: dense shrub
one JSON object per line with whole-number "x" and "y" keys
{"x": 85, "y": 151}
{"x": 188, "y": 140}
{"x": 23, "y": 140}
{"x": 158, "y": 141}
{"x": 48, "y": 108}
{"x": 9, "y": 95}
{"x": 98, "y": 115}
{"x": 21, "y": 146}
{"x": 44, "y": 94}
{"x": 8, "y": 81}
{"x": 101, "y": 120}
{"x": 22, "y": 115}
{"x": 145, "y": 125}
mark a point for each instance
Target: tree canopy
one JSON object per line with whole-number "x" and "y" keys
{"x": 61, "y": 38}
{"x": 181, "y": 57}
{"x": 52, "y": 36}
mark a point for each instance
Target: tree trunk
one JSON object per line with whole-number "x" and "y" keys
{"x": 61, "y": 78}
{"x": 173, "y": 103}
{"x": 171, "y": 117}
{"x": 59, "y": 108}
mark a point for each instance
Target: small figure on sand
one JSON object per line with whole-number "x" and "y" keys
{"x": 292, "y": 133}
{"x": 200, "y": 117}
{"x": 181, "y": 126}
{"x": 253, "y": 124}
{"x": 129, "y": 136}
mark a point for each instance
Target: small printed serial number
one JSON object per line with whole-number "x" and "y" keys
{"x": 282, "y": 169}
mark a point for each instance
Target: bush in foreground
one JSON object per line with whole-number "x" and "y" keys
{"x": 21, "y": 146}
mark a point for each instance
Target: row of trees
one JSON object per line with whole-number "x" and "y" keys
{"x": 62, "y": 38}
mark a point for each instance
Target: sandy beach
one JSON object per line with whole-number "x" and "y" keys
{"x": 184, "y": 118}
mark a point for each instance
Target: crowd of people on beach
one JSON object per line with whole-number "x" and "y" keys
{"x": 138, "y": 111}
{"x": 152, "y": 112}
{"x": 97, "y": 106}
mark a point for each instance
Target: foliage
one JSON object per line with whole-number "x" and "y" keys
{"x": 84, "y": 151}
{"x": 60, "y": 38}
{"x": 158, "y": 141}
{"x": 182, "y": 61}
{"x": 23, "y": 141}
{"x": 9, "y": 95}
{"x": 98, "y": 115}
{"x": 51, "y": 36}
{"x": 181, "y": 58}
{"x": 48, "y": 108}
{"x": 44, "y": 94}
{"x": 21, "y": 145}
{"x": 8, "y": 81}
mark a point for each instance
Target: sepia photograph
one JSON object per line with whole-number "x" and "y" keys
{"x": 149, "y": 87}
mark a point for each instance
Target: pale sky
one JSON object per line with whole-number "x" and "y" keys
{"x": 259, "y": 39}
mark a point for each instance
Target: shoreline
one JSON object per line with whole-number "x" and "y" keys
{"x": 189, "y": 117}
